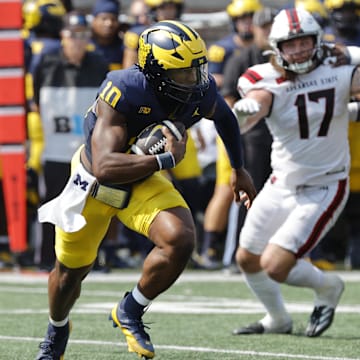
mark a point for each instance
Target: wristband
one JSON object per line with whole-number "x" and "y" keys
{"x": 354, "y": 54}
{"x": 166, "y": 160}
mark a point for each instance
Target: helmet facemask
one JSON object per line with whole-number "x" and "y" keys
{"x": 174, "y": 63}
{"x": 293, "y": 24}
{"x": 298, "y": 67}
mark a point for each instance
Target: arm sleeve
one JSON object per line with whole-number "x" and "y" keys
{"x": 228, "y": 129}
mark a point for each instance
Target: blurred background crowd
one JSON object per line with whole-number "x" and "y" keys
{"x": 71, "y": 44}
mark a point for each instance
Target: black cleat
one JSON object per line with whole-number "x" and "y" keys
{"x": 258, "y": 328}
{"x": 255, "y": 328}
{"x": 54, "y": 345}
{"x": 326, "y": 301}
{"x": 320, "y": 320}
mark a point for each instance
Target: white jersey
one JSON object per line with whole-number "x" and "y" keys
{"x": 308, "y": 121}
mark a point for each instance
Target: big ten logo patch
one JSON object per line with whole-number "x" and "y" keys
{"x": 83, "y": 184}
{"x": 144, "y": 110}
{"x": 69, "y": 124}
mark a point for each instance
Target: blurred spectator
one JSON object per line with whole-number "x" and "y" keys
{"x": 152, "y": 11}
{"x": 138, "y": 13}
{"x": 241, "y": 13}
{"x": 105, "y": 32}
{"x": 42, "y": 22}
{"x": 165, "y": 9}
{"x": 316, "y": 8}
{"x": 344, "y": 24}
{"x": 64, "y": 83}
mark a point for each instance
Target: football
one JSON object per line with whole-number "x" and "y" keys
{"x": 151, "y": 140}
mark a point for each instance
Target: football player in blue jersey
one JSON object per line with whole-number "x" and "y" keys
{"x": 241, "y": 13}
{"x": 158, "y": 10}
{"x": 105, "y": 27}
{"x": 171, "y": 82}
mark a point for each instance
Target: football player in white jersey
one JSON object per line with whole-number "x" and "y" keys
{"x": 304, "y": 100}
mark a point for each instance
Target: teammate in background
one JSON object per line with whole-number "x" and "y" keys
{"x": 304, "y": 99}
{"x": 158, "y": 10}
{"x": 217, "y": 212}
{"x": 109, "y": 181}
{"x": 316, "y": 8}
{"x": 138, "y": 13}
{"x": 105, "y": 32}
{"x": 65, "y": 82}
{"x": 342, "y": 243}
{"x": 42, "y": 22}
{"x": 343, "y": 24}
{"x": 257, "y": 141}
{"x": 241, "y": 13}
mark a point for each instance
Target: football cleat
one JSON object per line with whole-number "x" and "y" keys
{"x": 320, "y": 320}
{"x": 134, "y": 330}
{"x": 326, "y": 301}
{"x": 54, "y": 345}
{"x": 258, "y": 328}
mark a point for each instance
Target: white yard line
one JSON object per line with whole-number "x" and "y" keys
{"x": 188, "y": 348}
{"x": 133, "y": 276}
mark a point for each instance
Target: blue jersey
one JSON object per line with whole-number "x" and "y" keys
{"x": 35, "y": 49}
{"x": 131, "y": 36}
{"x": 220, "y": 52}
{"x": 129, "y": 93}
{"x": 113, "y": 53}
{"x": 330, "y": 35}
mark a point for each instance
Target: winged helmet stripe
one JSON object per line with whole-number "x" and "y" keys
{"x": 293, "y": 19}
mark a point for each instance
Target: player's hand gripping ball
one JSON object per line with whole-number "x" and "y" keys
{"x": 151, "y": 141}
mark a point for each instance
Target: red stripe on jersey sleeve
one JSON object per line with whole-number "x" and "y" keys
{"x": 252, "y": 76}
{"x": 280, "y": 80}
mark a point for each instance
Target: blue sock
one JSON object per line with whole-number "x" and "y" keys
{"x": 131, "y": 306}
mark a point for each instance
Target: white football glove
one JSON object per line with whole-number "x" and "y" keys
{"x": 244, "y": 108}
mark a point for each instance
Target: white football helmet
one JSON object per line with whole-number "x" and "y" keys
{"x": 295, "y": 23}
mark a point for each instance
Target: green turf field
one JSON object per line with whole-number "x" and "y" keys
{"x": 192, "y": 320}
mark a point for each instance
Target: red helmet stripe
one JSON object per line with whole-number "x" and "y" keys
{"x": 293, "y": 19}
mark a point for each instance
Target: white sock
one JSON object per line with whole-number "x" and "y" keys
{"x": 305, "y": 274}
{"x": 269, "y": 294}
{"x": 59, "y": 323}
{"x": 139, "y": 297}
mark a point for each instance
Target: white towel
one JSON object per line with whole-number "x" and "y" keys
{"x": 65, "y": 210}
